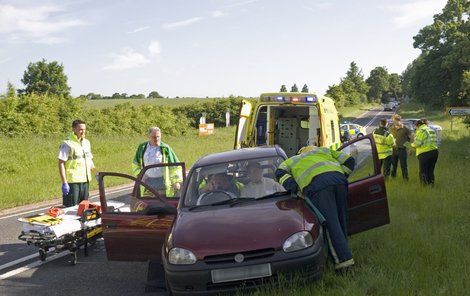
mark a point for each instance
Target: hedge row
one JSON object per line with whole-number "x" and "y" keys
{"x": 47, "y": 115}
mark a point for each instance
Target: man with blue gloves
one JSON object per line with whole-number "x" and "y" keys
{"x": 320, "y": 174}
{"x": 76, "y": 165}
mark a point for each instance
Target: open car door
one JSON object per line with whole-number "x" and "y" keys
{"x": 137, "y": 214}
{"x": 367, "y": 196}
{"x": 244, "y": 131}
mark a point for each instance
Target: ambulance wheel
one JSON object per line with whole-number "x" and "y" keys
{"x": 73, "y": 258}
{"x": 42, "y": 255}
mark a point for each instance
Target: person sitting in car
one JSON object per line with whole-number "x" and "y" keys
{"x": 259, "y": 185}
{"x": 222, "y": 182}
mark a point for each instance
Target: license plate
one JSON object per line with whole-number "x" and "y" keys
{"x": 241, "y": 273}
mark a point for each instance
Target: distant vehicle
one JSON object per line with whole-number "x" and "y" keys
{"x": 210, "y": 240}
{"x": 435, "y": 127}
{"x": 389, "y": 107}
{"x": 355, "y": 130}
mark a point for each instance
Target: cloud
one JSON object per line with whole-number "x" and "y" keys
{"x": 243, "y": 3}
{"x": 50, "y": 40}
{"x": 139, "y": 29}
{"x": 217, "y": 13}
{"x": 155, "y": 50}
{"x": 35, "y": 21}
{"x": 183, "y": 23}
{"x": 417, "y": 12}
{"x": 127, "y": 60}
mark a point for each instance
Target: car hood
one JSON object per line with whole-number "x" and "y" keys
{"x": 247, "y": 226}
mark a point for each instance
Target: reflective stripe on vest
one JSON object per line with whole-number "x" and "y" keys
{"x": 425, "y": 140}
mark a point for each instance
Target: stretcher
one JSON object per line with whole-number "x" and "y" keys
{"x": 73, "y": 228}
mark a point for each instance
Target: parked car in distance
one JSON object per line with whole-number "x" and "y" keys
{"x": 211, "y": 240}
{"x": 389, "y": 107}
{"x": 432, "y": 125}
{"x": 354, "y": 129}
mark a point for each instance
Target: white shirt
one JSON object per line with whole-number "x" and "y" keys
{"x": 153, "y": 155}
{"x": 264, "y": 187}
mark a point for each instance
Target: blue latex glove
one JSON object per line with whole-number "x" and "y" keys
{"x": 65, "y": 189}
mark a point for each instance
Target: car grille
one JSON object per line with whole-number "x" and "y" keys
{"x": 230, "y": 258}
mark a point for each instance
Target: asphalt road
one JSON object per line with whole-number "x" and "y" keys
{"x": 22, "y": 273}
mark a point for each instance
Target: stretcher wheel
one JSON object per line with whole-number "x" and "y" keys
{"x": 42, "y": 254}
{"x": 73, "y": 258}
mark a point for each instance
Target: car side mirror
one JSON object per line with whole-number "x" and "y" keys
{"x": 159, "y": 210}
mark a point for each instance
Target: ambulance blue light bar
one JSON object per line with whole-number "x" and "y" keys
{"x": 286, "y": 99}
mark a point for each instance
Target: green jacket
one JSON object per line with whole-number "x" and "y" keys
{"x": 170, "y": 175}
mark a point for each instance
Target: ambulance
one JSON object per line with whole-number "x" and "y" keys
{"x": 290, "y": 120}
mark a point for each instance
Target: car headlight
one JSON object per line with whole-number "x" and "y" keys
{"x": 298, "y": 241}
{"x": 181, "y": 256}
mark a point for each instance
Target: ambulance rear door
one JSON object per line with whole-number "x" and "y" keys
{"x": 244, "y": 134}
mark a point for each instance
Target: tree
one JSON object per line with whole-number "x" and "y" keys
{"x": 438, "y": 77}
{"x": 395, "y": 85}
{"x": 154, "y": 95}
{"x": 379, "y": 83}
{"x": 305, "y": 88}
{"x": 283, "y": 88}
{"x": 294, "y": 88}
{"x": 45, "y": 78}
{"x": 11, "y": 91}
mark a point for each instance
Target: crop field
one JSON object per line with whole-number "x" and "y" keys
{"x": 170, "y": 102}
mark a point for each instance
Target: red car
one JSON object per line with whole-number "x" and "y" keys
{"x": 214, "y": 236}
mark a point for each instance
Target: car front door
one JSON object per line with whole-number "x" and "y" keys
{"x": 367, "y": 195}
{"x": 136, "y": 213}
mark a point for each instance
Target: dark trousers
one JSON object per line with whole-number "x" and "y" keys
{"x": 385, "y": 165}
{"x": 427, "y": 163}
{"x": 332, "y": 202}
{"x": 77, "y": 193}
{"x": 401, "y": 155}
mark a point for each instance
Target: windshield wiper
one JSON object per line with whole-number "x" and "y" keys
{"x": 230, "y": 202}
{"x": 275, "y": 194}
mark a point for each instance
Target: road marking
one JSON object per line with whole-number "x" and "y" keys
{"x": 45, "y": 208}
{"x": 372, "y": 120}
{"x": 31, "y": 266}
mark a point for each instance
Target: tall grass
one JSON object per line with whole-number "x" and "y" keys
{"x": 29, "y": 170}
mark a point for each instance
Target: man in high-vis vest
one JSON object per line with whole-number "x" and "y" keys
{"x": 166, "y": 180}
{"x": 320, "y": 174}
{"x": 384, "y": 142}
{"x": 76, "y": 165}
{"x": 426, "y": 143}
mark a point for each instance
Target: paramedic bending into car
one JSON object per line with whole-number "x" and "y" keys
{"x": 259, "y": 185}
{"x": 321, "y": 175}
{"x": 75, "y": 165}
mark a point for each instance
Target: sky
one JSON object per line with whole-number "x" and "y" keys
{"x": 208, "y": 48}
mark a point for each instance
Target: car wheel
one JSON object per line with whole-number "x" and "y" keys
{"x": 360, "y": 135}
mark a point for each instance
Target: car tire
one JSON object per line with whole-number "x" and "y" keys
{"x": 360, "y": 135}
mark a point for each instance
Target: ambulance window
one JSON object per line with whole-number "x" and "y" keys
{"x": 333, "y": 131}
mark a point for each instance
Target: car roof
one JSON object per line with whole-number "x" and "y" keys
{"x": 240, "y": 154}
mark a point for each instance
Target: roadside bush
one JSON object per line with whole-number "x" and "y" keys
{"x": 215, "y": 111}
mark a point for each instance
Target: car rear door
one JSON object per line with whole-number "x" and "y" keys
{"x": 367, "y": 196}
{"x": 136, "y": 216}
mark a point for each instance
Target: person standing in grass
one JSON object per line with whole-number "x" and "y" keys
{"x": 76, "y": 165}
{"x": 385, "y": 142}
{"x": 154, "y": 151}
{"x": 425, "y": 143}
{"x": 402, "y": 134}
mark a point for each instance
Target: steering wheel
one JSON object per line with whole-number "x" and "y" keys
{"x": 215, "y": 196}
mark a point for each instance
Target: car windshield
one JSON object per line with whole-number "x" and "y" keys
{"x": 237, "y": 181}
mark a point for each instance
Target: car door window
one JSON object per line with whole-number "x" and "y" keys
{"x": 362, "y": 153}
